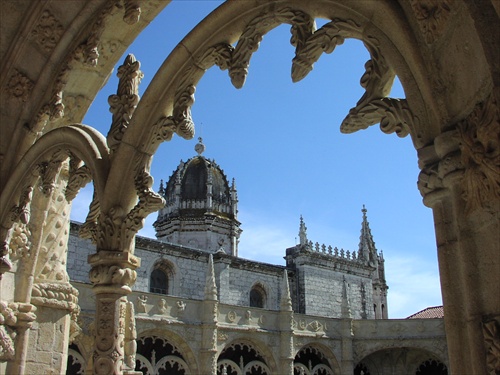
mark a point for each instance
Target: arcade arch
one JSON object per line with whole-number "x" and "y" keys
{"x": 315, "y": 359}
{"x": 242, "y": 357}
{"x": 401, "y": 361}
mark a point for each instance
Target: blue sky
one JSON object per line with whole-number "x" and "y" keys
{"x": 281, "y": 142}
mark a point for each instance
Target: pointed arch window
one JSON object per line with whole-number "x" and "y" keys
{"x": 158, "y": 282}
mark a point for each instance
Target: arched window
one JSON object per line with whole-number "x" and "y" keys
{"x": 158, "y": 282}
{"x": 257, "y": 296}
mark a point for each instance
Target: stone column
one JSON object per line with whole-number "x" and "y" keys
{"x": 112, "y": 275}
{"x": 460, "y": 181}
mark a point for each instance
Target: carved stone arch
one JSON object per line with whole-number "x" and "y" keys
{"x": 79, "y": 52}
{"x": 319, "y": 356}
{"x": 165, "y": 106}
{"x": 85, "y": 143}
{"x": 258, "y": 351}
{"x": 42, "y": 163}
{"x": 178, "y": 341}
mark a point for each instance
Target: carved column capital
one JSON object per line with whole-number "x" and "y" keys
{"x": 467, "y": 156}
{"x": 113, "y": 271}
{"x": 441, "y": 167}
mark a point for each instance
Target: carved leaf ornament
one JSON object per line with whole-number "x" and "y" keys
{"x": 394, "y": 115}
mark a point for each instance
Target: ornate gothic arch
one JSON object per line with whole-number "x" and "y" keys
{"x": 316, "y": 358}
{"x": 407, "y": 360}
{"x": 243, "y": 356}
{"x": 179, "y": 343}
{"x": 447, "y": 59}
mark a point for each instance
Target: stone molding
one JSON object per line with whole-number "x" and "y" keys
{"x": 55, "y": 295}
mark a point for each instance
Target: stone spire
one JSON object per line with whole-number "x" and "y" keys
{"x": 302, "y": 232}
{"x": 367, "y": 250}
{"x": 210, "y": 286}
{"x": 285, "y": 300}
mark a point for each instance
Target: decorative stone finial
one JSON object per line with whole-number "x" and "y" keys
{"x": 200, "y": 147}
{"x": 367, "y": 250}
{"x": 302, "y": 232}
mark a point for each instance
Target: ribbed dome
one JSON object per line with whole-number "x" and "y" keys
{"x": 201, "y": 207}
{"x": 194, "y": 176}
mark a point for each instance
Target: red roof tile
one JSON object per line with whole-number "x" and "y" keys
{"x": 428, "y": 313}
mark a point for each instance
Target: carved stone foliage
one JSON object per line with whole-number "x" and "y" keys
{"x": 480, "y": 155}
{"x": 123, "y": 104}
{"x": 471, "y": 151}
{"x": 49, "y": 171}
{"x": 302, "y": 28}
{"x": 13, "y": 317}
{"x": 15, "y": 240}
{"x": 491, "y": 332}
{"x": 47, "y": 31}
{"x": 432, "y": 17}
{"x": 88, "y": 51}
{"x": 132, "y": 12}
{"x": 116, "y": 230}
{"x": 235, "y": 60}
{"x": 19, "y": 86}
{"x": 394, "y": 116}
{"x": 322, "y": 40}
{"x": 78, "y": 178}
{"x": 20, "y": 242}
{"x": 89, "y": 229}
